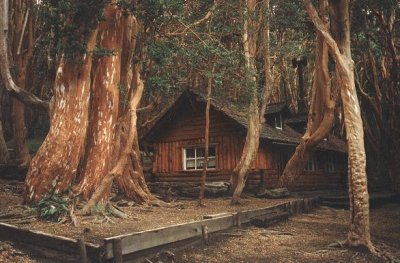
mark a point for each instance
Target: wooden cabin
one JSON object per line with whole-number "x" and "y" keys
{"x": 176, "y": 143}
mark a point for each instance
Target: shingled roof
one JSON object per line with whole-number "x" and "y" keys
{"x": 286, "y": 135}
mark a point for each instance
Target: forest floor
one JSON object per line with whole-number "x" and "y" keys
{"x": 303, "y": 238}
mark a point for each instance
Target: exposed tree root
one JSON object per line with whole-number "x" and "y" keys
{"x": 380, "y": 251}
{"x": 115, "y": 211}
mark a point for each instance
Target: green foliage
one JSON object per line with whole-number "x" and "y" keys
{"x": 68, "y": 24}
{"x": 53, "y": 207}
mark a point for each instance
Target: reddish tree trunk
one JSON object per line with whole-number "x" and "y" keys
{"x": 104, "y": 105}
{"x": 54, "y": 167}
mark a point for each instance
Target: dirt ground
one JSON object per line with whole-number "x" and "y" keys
{"x": 140, "y": 217}
{"x": 303, "y": 238}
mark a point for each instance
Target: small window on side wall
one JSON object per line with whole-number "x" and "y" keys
{"x": 193, "y": 158}
{"x": 329, "y": 165}
{"x": 310, "y": 166}
{"x": 278, "y": 122}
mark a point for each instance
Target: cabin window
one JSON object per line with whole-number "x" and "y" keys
{"x": 278, "y": 121}
{"x": 193, "y": 158}
{"x": 329, "y": 165}
{"x": 310, "y": 166}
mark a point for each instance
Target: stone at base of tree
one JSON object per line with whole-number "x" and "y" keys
{"x": 274, "y": 193}
{"x": 169, "y": 190}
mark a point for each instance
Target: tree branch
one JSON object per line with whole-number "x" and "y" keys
{"x": 20, "y": 94}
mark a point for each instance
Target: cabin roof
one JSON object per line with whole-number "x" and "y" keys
{"x": 286, "y": 135}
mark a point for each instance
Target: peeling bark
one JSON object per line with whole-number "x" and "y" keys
{"x": 339, "y": 45}
{"x": 54, "y": 167}
{"x": 130, "y": 149}
{"x": 321, "y": 113}
{"x": 104, "y": 104}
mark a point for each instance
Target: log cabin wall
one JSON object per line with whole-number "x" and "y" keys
{"x": 185, "y": 129}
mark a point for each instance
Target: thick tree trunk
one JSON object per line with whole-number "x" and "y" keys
{"x": 339, "y": 44}
{"x": 132, "y": 182}
{"x": 321, "y": 113}
{"x": 85, "y": 137}
{"x": 129, "y": 153}
{"x": 104, "y": 105}
{"x": 54, "y": 167}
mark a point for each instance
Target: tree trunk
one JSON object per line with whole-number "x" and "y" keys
{"x": 321, "y": 114}
{"x": 21, "y": 40}
{"x": 20, "y": 134}
{"x": 104, "y": 105}
{"x": 250, "y": 149}
{"x": 14, "y": 90}
{"x": 54, "y": 167}
{"x": 206, "y": 141}
{"x": 4, "y": 156}
{"x": 132, "y": 182}
{"x": 136, "y": 188}
{"x": 339, "y": 45}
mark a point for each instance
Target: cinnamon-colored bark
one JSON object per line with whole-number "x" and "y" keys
{"x": 339, "y": 45}
{"x": 54, "y": 167}
{"x": 92, "y": 135}
{"x": 321, "y": 113}
{"x": 104, "y": 104}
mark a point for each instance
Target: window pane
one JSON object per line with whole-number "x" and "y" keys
{"x": 200, "y": 163}
{"x": 190, "y": 153}
{"x": 211, "y": 163}
{"x": 199, "y": 152}
{"x": 190, "y": 164}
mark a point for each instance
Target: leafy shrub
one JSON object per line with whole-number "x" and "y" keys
{"x": 53, "y": 208}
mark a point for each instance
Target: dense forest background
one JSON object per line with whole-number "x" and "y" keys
{"x": 85, "y": 79}
{"x": 183, "y": 43}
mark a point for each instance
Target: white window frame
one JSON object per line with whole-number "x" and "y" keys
{"x": 278, "y": 125}
{"x": 195, "y": 158}
{"x": 310, "y": 166}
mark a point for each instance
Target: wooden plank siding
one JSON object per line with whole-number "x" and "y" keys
{"x": 186, "y": 129}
